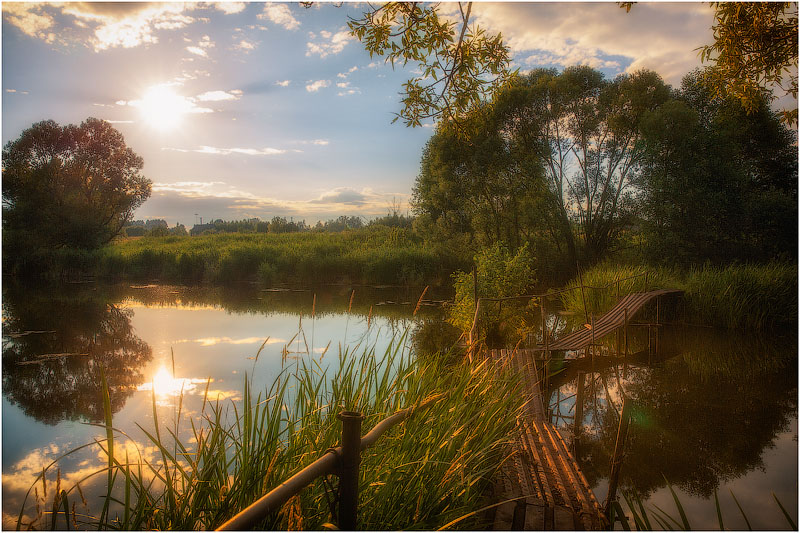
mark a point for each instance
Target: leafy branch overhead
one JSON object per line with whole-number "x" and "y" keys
{"x": 459, "y": 64}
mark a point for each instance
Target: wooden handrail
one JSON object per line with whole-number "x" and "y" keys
{"x": 328, "y": 464}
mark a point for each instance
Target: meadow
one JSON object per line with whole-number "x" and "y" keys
{"x": 376, "y": 255}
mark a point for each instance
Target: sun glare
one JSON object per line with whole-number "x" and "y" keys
{"x": 166, "y": 385}
{"x": 161, "y": 108}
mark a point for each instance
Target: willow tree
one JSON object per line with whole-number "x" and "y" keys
{"x": 584, "y": 133}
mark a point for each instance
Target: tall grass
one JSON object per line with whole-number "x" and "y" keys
{"x": 735, "y": 296}
{"x": 432, "y": 469}
{"x": 369, "y": 255}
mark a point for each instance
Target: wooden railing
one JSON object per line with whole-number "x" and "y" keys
{"x": 342, "y": 461}
{"x": 471, "y": 337}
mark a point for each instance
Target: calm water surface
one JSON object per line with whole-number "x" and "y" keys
{"x": 714, "y": 411}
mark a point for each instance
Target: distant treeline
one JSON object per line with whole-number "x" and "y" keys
{"x": 160, "y": 228}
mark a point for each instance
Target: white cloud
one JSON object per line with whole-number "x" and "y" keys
{"x": 244, "y": 45}
{"x": 230, "y": 8}
{"x": 197, "y": 51}
{"x": 280, "y": 14}
{"x": 330, "y": 45}
{"x": 659, "y": 36}
{"x": 315, "y": 86}
{"x": 344, "y": 75}
{"x": 128, "y": 25}
{"x": 218, "y": 96}
{"x": 228, "y": 151}
{"x": 283, "y": 83}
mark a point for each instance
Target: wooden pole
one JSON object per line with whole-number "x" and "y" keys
{"x": 583, "y": 294}
{"x": 578, "y": 408}
{"x": 348, "y": 475}
{"x": 625, "y": 331}
{"x": 616, "y": 460}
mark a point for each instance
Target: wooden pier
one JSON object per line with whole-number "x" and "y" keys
{"x": 614, "y": 319}
{"x": 543, "y": 485}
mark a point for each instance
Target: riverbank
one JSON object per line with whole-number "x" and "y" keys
{"x": 377, "y": 255}
{"x": 744, "y": 296}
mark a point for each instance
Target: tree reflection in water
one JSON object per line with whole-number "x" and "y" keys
{"x": 705, "y": 409}
{"x": 54, "y": 345}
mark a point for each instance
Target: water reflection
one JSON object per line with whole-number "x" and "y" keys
{"x": 708, "y": 406}
{"x": 54, "y": 347}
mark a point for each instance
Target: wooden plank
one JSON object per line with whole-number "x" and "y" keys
{"x": 563, "y": 519}
{"x": 535, "y": 514}
{"x": 612, "y": 320}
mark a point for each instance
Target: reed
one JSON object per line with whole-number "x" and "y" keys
{"x": 431, "y": 470}
{"x": 369, "y": 255}
{"x": 736, "y": 296}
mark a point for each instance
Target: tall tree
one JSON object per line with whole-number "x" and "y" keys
{"x": 719, "y": 183}
{"x": 584, "y": 131}
{"x": 70, "y": 186}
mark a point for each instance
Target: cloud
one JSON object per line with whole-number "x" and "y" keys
{"x": 218, "y": 96}
{"x": 344, "y": 75}
{"x": 197, "y": 51}
{"x": 343, "y": 195}
{"x": 329, "y": 45}
{"x": 213, "y": 341}
{"x": 315, "y": 86}
{"x": 230, "y": 8}
{"x": 283, "y": 83}
{"x": 228, "y": 151}
{"x": 245, "y": 46}
{"x": 31, "y": 19}
{"x": 128, "y": 25}
{"x": 281, "y": 15}
{"x": 187, "y": 187}
{"x": 659, "y": 36}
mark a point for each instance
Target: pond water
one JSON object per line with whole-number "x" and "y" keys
{"x": 713, "y": 410}
{"x": 710, "y": 410}
{"x": 187, "y": 344}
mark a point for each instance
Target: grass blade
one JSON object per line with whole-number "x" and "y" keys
{"x": 788, "y": 518}
{"x": 749, "y": 527}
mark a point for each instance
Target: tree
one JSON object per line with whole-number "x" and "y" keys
{"x": 71, "y": 186}
{"x": 457, "y": 73}
{"x": 754, "y": 49}
{"x": 554, "y": 156}
{"x": 719, "y": 183}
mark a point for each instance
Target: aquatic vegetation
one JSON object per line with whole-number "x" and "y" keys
{"x": 735, "y": 296}
{"x": 442, "y": 459}
{"x": 368, "y": 255}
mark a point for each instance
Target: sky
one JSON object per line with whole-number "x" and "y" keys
{"x": 244, "y": 110}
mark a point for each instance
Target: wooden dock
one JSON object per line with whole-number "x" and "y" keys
{"x": 625, "y": 309}
{"x": 543, "y": 485}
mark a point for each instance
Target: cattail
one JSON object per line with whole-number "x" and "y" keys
{"x": 369, "y": 317}
{"x": 349, "y": 307}
{"x": 314, "y": 306}
{"x": 419, "y": 302}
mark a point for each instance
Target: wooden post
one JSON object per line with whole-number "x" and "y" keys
{"x": 583, "y": 294}
{"x": 579, "y": 406}
{"x": 546, "y": 340}
{"x": 616, "y": 460}
{"x": 348, "y": 474}
{"x": 625, "y": 361}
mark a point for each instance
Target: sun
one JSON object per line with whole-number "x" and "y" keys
{"x": 162, "y": 108}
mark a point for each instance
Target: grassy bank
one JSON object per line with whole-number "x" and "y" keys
{"x": 380, "y": 255}
{"x": 736, "y": 296}
{"x": 433, "y": 469}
